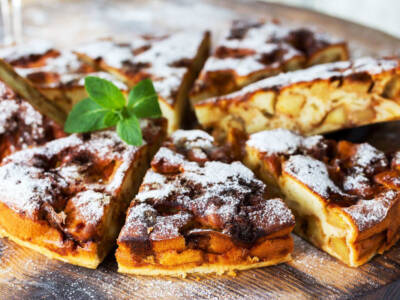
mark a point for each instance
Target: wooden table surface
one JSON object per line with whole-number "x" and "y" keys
{"x": 312, "y": 274}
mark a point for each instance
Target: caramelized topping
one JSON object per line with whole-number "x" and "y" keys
{"x": 357, "y": 177}
{"x": 190, "y": 189}
{"x": 70, "y": 182}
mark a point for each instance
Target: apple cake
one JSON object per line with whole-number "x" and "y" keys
{"x": 67, "y": 199}
{"x": 345, "y": 196}
{"x": 171, "y": 62}
{"x": 252, "y": 50}
{"x": 199, "y": 211}
{"x": 21, "y": 126}
{"x": 319, "y": 99}
{"x": 59, "y": 75}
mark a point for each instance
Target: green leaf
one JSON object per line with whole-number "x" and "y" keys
{"x": 86, "y": 116}
{"x": 143, "y": 100}
{"x": 111, "y": 119}
{"x": 104, "y": 93}
{"x": 129, "y": 131}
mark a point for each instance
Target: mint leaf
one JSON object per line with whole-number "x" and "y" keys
{"x": 104, "y": 93}
{"x": 129, "y": 131}
{"x": 111, "y": 119}
{"x": 86, "y": 116}
{"x": 143, "y": 100}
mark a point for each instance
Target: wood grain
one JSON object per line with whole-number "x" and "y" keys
{"x": 311, "y": 275}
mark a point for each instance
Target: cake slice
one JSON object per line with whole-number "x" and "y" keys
{"x": 197, "y": 211}
{"x": 172, "y": 62}
{"x": 319, "y": 99}
{"x": 59, "y": 75}
{"x": 252, "y": 50}
{"x": 67, "y": 198}
{"x": 345, "y": 196}
{"x": 21, "y": 126}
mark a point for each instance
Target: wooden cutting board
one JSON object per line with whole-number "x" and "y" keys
{"x": 312, "y": 274}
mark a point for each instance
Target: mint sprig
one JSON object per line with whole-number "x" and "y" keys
{"x": 107, "y": 107}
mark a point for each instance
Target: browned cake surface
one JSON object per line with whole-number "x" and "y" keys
{"x": 171, "y": 61}
{"x": 255, "y": 50}
{"x": 21, "y": 126}
{"x": 58, "y": 74}
{"x": 48, "y": 67}
{"x": 319, "y": 99}
{"x": 67, "y": 199}
{"x": 355, "y": 188}
{"x": 197, "y": 211}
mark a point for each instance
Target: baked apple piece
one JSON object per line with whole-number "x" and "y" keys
{"x": 59, "y": 75}
{"x": 319, "y": 99}
{"x": 345, "y": 196}
{"x": 251, "y": 51}
{"x": 67, "y": 198}
{"x": 199, "y": 211}
{"x": 172, "y": 62}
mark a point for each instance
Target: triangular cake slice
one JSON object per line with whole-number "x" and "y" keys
{"x": 346, "y": 197}
{"x": 319, "y": 99}
{"x": 21, "y": 126}
{"x": 252, "y": 50}
{"x": 59, "y": 75}
{"x": 172, "y": 62}
{"x": 197, "y": 211}
{"x": 67, "y": 198}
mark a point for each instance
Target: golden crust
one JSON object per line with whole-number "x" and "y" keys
{"x": 183, "y": 271}
{"x": 343, "y": 203}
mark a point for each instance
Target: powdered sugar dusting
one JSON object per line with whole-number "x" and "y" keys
{"x": 24, "y": 188}
{"x": 91, "y": 205}
{"x": 32, "y": 47}
{"x": 192, "y": 139}
{"x": 312, "y": 173}
{"x": 30, "y": 177}
{"x": 210, "y": 190}
{"x": 277, "y": 141}
{"x": 367, "y": 213}
{"x": 366, "y": 155}
{"x": 263, "y": 40}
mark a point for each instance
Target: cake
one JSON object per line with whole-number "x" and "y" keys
{"x": 253, "y": 50}
{"x": 345, "y": 196}
{"x": 199, "y": 211}
{"x": 67, "y": 198}
{"x": 171, "y": 62}
{"x": 21, "y": 126}
{"x": 59, "y": 75}
{"x": 316, "y": 100}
